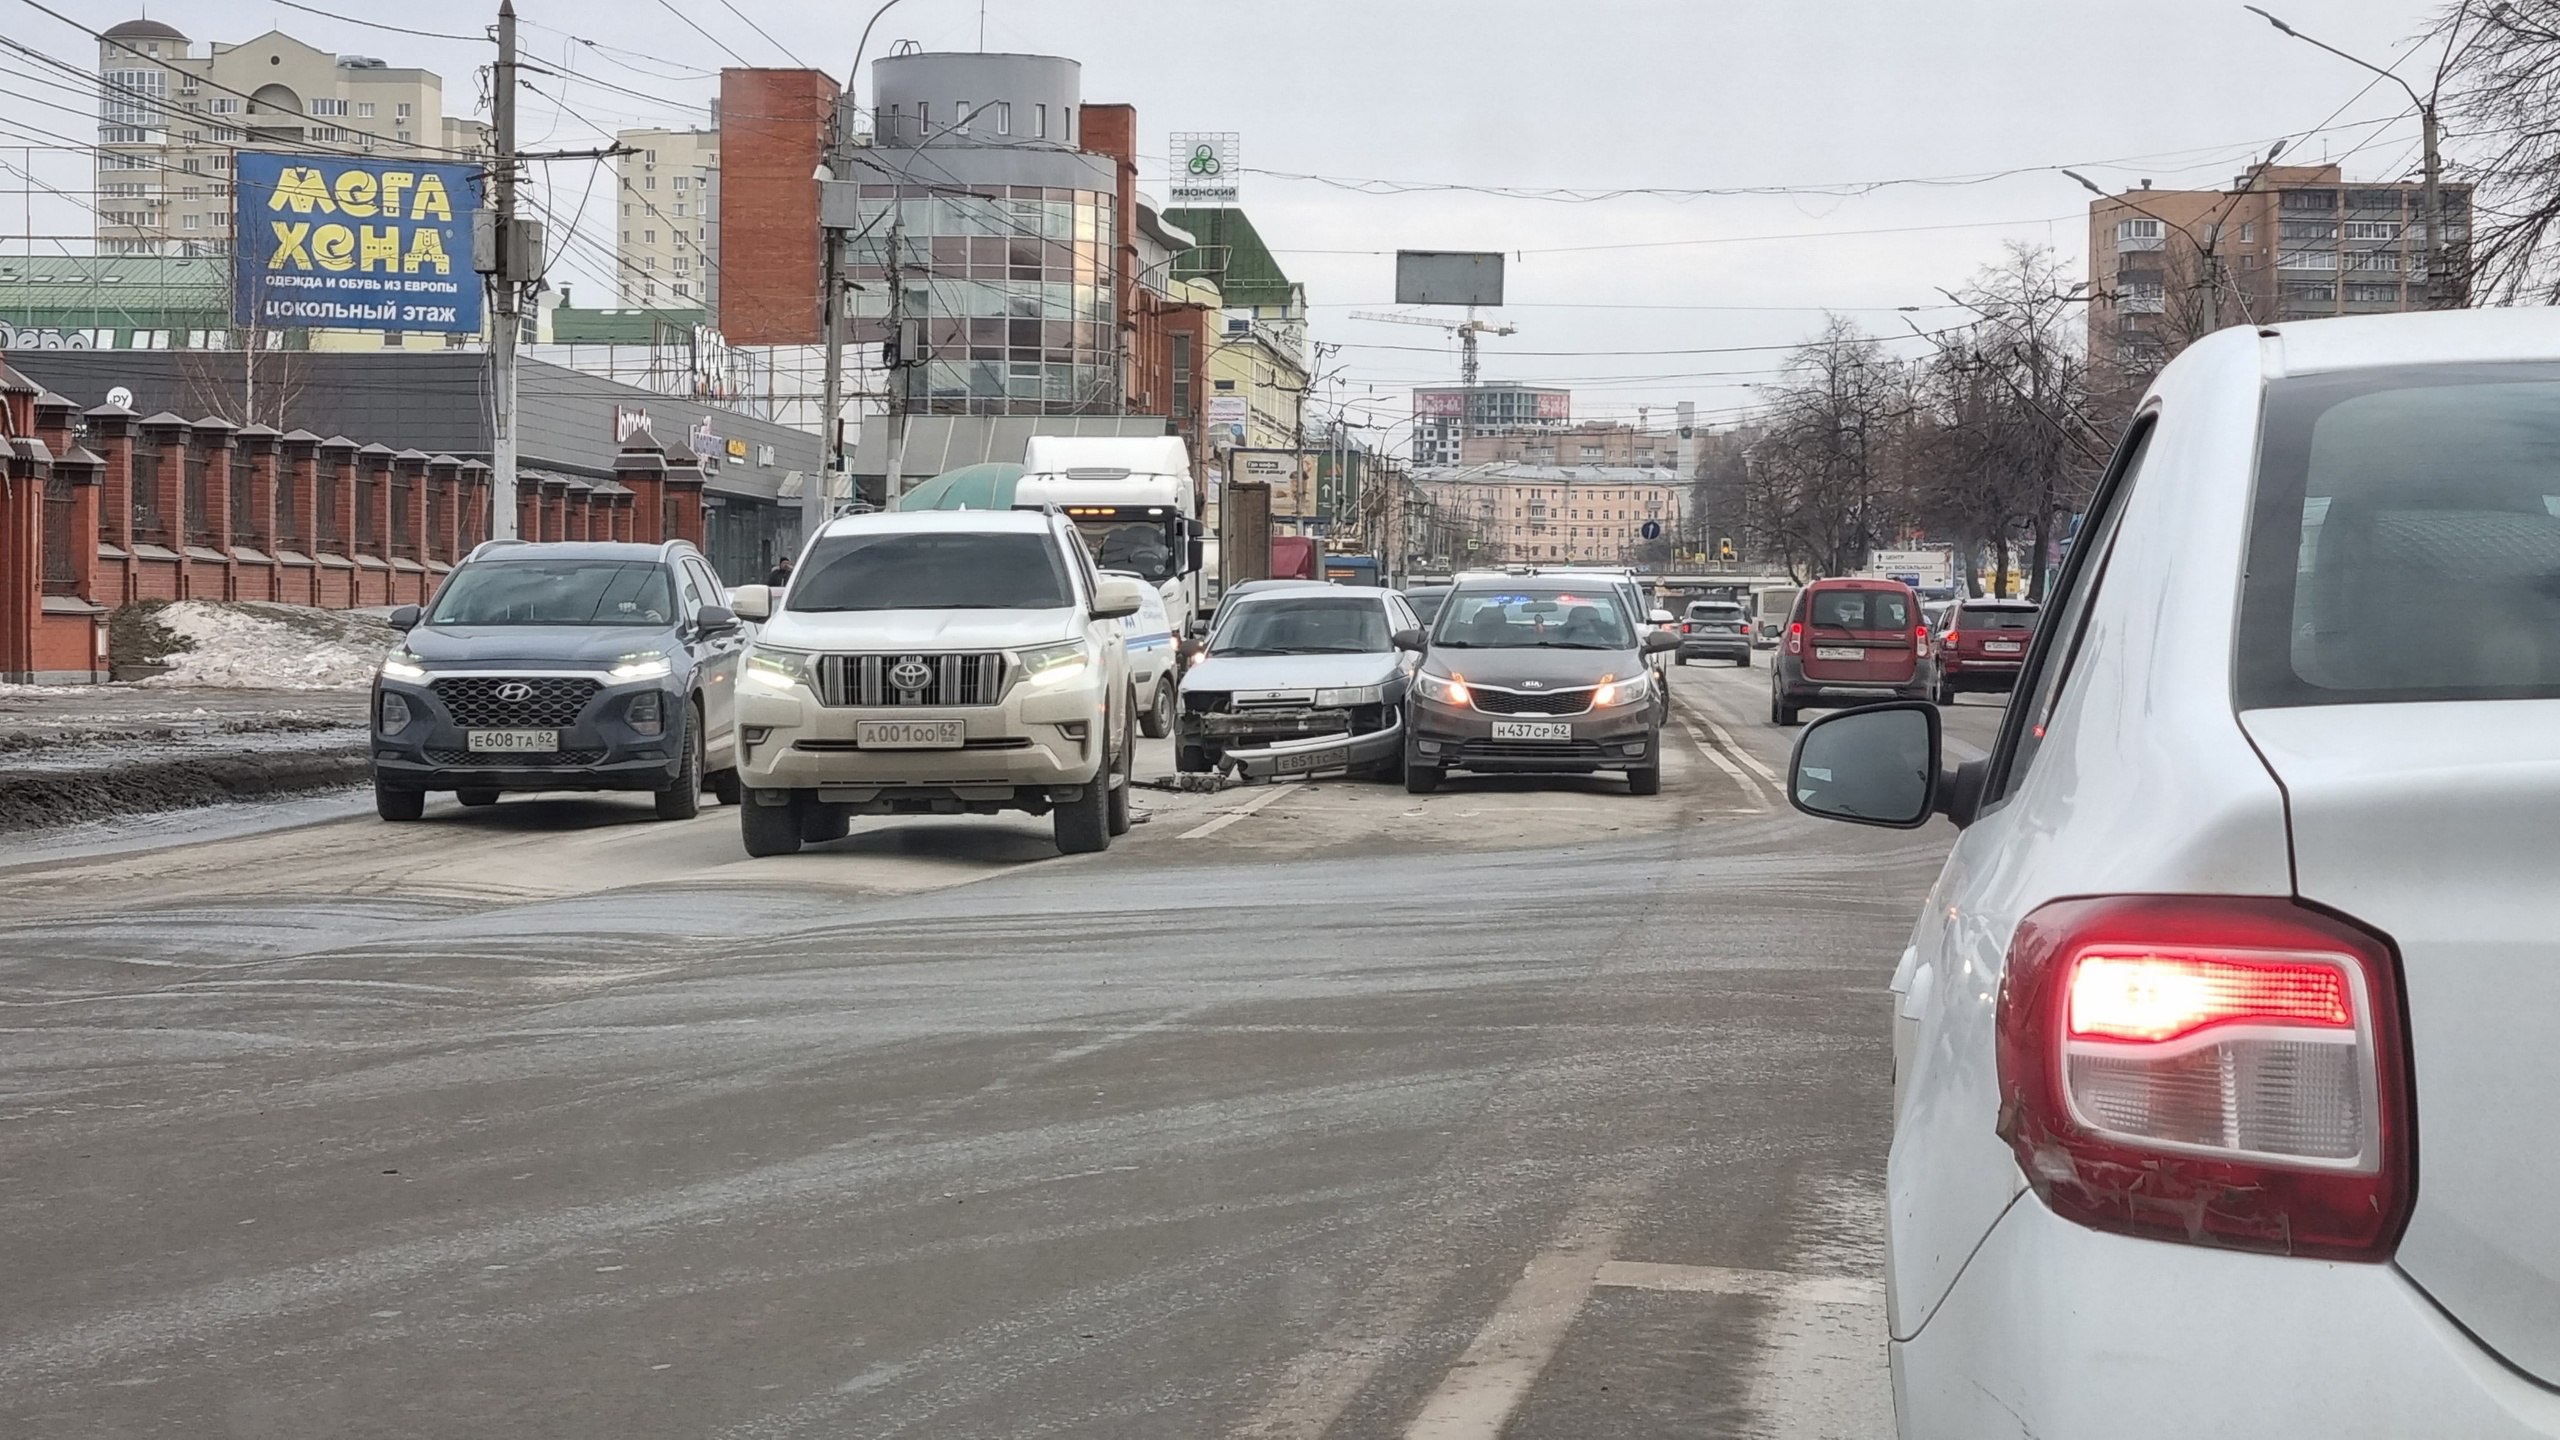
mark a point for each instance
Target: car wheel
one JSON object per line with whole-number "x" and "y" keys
{"x": 1083, "y": 825}
{"x": 1946, "y": 692}
{"x": 726, "y": 787}
{"x": 1780, "y": 712}
{"x": 476, "y": 798}
{"x": 1121, "y": 776}
{"x": 820, "y": 823}
{"x": 1680, "y": 658}
{"x": 683, "y": 799}
{"x": 1647, "y": 781}
{"x": 769, "y": 829}
{"x": 1391, "y": 769}
{"x": 1421, "y": 779}
{"x": 1743, "y": 661}
{"x": 394, "y": 803}
{"x": 1192, "y": 760}
{"x": 1158, "y": 721}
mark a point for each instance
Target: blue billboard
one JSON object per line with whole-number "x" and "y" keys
{"x": 344, "y": 244}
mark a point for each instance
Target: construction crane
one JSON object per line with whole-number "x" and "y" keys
{"x": 1466, "y": 330}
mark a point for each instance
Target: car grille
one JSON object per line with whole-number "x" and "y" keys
{"x": 1513, "y": 702}
{"x": 1569, "y": 750}
{"x": 1204, "y": 702}
{"x": 548, "y": 702}
{"x": 513, "y": 761}
{"x": 865, "y": 680}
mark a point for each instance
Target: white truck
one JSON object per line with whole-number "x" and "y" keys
{"x": 1135, "y": 503}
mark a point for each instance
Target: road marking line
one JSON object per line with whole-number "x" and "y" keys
{"x": 1476, "y": 1398}
{"x": 1741, "y": 781}
{"x": 1745, "y": 756}
{"x": 1321, "y": 1383}
{"x": 1763, "y": 1284}
{"x": 1238, "y": 813}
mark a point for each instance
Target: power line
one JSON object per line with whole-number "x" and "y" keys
{"x": 378, "y": 25}
{"x": 667, "y": 6}
{"x": 768, "y": 35}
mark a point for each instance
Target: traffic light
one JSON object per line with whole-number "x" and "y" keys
{"x": 1724, "y": 549}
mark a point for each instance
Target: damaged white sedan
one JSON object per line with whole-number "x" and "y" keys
{"x": 1304, "y": 681}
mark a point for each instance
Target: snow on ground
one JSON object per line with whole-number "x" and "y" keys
{"x": 254, "y": 646}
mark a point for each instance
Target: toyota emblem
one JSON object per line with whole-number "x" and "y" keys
{"x": 515, "y": 690}
{"x": 910, "y": 673}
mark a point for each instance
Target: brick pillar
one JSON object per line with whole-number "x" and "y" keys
{"x": 164, "y": 439}
{"x": 555, "y": 509}
{"x": 257, "y": 445}
{"x": 338, "y": 464}
{"x": 215, "y": 442}
{"x": 684, "y": 499}
{"x": 621, "y": 512}
{"x": 82, "y": 467}
{"x": 373, "y": 482}
{"x": 409, "y": 517}
{"x": 438, "y": 505}
{"x": 641, "y": 468}
{"x": 24, "y": 464}
{"x": 298, "y": 496}
{"x": 111, "y": 437}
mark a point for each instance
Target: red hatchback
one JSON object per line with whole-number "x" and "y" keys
{"x": 1983, "y": 646}
{"x": 1850, "y": 642}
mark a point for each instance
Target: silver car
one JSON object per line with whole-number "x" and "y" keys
{"x": 1299, "y": 680}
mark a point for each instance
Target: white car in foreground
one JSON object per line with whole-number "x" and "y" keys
{"x": 938, "y": 662}
{"x": 2228, "y": 1046}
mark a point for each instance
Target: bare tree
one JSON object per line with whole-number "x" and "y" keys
{"x": 2500, "y": 76}
{"x": 1813, "y": 492}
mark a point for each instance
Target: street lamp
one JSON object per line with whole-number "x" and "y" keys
{"x": 2208, "y": 249}
{"x": 2433, "y": 202}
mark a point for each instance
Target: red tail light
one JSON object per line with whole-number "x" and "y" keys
{"x": 1742, "y": 629}
{"x": 2214, "y": 1070}
{"x": 1795, "y": 639}
{"x": 1920, "y": 640}
{"x": 1685, "y": 627}
{"x": 1948, "y": 640}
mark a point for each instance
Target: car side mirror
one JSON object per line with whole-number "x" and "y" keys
{"x": 406, "y": 618}
{"x": 1662, "y": 617}
{"x": 751, "y": 602}
{"x": 1198, "y": 554}
{"x": 1118, "y": 597}
{"x": 715, "y": 620}
{"x": 1657, "y": 641}
{"x": 1413, "y": 639}
{"x": 1872, "y": 766}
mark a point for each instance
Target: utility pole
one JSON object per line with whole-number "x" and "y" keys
{"x": 2432, "y": 256}
{"x": 503, "y": 282}
{"x": 901, "y": 365}
{"x": 818, "y": 501}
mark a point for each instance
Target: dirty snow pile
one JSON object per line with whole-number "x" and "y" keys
{"x": 252, "y": 646}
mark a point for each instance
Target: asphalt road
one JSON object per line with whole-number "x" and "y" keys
{"x": 1526, "y": 1108}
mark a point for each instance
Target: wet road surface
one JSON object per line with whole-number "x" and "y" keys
{"x": 1526, "y": 1108}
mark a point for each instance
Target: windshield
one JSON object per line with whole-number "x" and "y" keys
{"x": 556, "y": 592}
{"x": 1541, "y": 616}
{"x": 932, "y": 570}
{"x": 1426, "y": 604}
{"x": 1304, "y": 625}
{"x": 1866, "y": 610}
{"x": 1143, "y": 548}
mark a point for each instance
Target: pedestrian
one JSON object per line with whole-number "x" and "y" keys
{"x": 781, "y": 575}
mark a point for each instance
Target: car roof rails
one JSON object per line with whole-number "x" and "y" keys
{"x": 487, "y": 545}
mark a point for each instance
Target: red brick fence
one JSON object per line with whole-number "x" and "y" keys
{"x": 101, "y": 508}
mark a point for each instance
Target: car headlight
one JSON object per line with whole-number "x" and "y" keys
{"x": 775, "y": 669}
{"x": 648, "y": 666}
{"x": 1053, "y": 664}
{"x": 402, "y": 665}
{"x": 1448, "y": 691}
{"x": 1347, "y": 698}
{"x": 1623, "y": 692}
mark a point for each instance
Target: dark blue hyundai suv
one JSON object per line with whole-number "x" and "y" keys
{"x": 564, "y": 666}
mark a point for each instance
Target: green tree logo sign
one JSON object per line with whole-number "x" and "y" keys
{"x": 1204, "y": 162}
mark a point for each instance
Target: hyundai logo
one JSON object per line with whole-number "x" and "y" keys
{"x": 910, "y": 673}
{"x": 515, "y": 690}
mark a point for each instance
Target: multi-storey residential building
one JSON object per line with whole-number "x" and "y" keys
{"x": 1553, "y": 514}
{"x": 2284, "y": 242}
{"x": 1445, "y": 416}
{"x": 172, "y": 118}
{"x": 667, "y": 254}
{"x": 1593, "y": 442}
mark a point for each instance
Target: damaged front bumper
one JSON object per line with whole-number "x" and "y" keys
{"x": 1261, "y": 746}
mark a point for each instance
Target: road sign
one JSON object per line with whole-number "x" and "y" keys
{"x": 1652, "y": 530}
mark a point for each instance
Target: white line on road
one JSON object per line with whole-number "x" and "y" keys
{"x": 1820, "y": 1372}
{"x": 1745, "y": 756}
{"x": 1490, "y": 1380}
{"x": 1764, "y": 1284}
{"x": 1236, "y": 814}
{"x": 1741, "y": 781}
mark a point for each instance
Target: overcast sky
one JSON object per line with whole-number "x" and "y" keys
{"x": 1589, "y": 95}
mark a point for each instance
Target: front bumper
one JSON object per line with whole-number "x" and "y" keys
{"x": 1317, "y": 754}
{"x": 2059, "y": 1331}
{"x": 1624, "y": 737}
{"x": 599, "y": 750}
{"x": 1032, "y": 743}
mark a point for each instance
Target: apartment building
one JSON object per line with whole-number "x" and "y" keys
{"x": 172, "y": 117}
{"x": 1552, "y": 514}
{"x": 1445, "y": 416}
{"x": 1593, "y": 442}
{"x": 667, "y": 248}
{"x": 2283, "y": 242}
